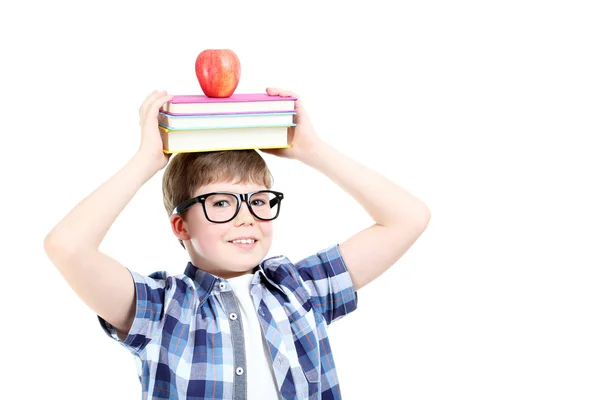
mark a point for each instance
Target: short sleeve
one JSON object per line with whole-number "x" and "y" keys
{"x": 149, "y": 306}
{"x": 328, "y": 281}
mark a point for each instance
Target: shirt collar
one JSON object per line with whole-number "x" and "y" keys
{"x": 207, "y": 281}
{"x": 265, "y": 274}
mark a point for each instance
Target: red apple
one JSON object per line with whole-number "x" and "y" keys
{"x": 218, "y": 72}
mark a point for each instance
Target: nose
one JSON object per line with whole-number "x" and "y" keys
{"x": 244, "y": 216}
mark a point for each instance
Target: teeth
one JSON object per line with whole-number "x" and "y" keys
{"x": 244, "y": 241}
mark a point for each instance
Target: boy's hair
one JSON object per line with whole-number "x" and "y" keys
{"x": 187, "y": 172}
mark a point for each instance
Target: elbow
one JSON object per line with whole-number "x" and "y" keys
{"x": 52, "y": 247}
{"x": 426, "y": 216}
{"x": 419, "y": 220}
{"x": 420, "y": 216}
{"x": 57, "y": 250}
{"x": 424, "y": 220}
{"x": 52, "y": 244}
{"x": 420, "y": 223}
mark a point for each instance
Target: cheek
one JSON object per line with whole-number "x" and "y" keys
{"x": 267, "y": 233}
{"x": 267, "y": 230}
{"x": 207, "y": 237}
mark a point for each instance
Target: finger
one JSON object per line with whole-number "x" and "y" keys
{"x": 146, "y": 101}
{"x": 288, "y": 93}
{"x": 300, "y": 111}
{"x": 150, "y": 104}
{"x": 151, "y": 99}
{"x": 149, "y": 118}
{"x": 273, "y": 91}
{"x": 156, "y": 104}
{"x": 280, "y": 92}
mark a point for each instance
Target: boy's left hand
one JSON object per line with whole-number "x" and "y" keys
{"x": 302, "y": 137}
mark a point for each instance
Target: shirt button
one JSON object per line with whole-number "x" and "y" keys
{"x": 233, "y": 316}
{"x": 260, "y": 310}
{"x": 239, "y": 371}
{"x": 223, "y": 285}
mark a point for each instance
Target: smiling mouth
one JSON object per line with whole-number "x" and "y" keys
{"x": 243, "y": 241}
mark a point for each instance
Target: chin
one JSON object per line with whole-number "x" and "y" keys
{"x": 240, "y": 264}
{"x": 247, "y": 257}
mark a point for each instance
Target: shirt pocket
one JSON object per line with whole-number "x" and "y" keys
{"x": 307, "y": 345}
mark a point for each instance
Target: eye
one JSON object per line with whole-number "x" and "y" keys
{"x": 221, "y": 203}
{"x": 258, "y": 202}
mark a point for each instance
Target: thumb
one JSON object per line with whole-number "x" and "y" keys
{"x": 300, "y": 111}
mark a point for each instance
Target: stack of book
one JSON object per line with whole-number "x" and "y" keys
{"x": 242, "y": 121}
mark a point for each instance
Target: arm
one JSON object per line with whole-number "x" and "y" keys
{"x": 72, "y": 246}
{"x": 399, "y": 218}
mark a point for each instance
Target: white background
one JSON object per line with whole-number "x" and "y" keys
{"x": 488, "y": 111}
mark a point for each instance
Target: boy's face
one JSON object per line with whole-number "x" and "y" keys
{"x": 210, "y": 244}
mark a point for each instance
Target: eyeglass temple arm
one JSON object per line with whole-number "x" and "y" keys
{"x": 186, "y": 204}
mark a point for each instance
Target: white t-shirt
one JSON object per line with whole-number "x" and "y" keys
{"x": 261, "y": 383}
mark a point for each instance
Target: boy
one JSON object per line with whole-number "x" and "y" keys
{"x": 232, "y": 326}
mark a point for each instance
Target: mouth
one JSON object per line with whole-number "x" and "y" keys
{"x": 244, "y": 243}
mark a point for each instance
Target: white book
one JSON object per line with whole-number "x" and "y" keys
{"x": 225, "y": 120}
{"x": 198, "y": 140}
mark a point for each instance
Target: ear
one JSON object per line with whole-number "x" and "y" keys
{"x": 179, "y": 227}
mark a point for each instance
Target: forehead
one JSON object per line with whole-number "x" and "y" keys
{"x": 229, "y": 187}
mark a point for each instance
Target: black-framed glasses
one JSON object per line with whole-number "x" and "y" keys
{"x": 221, "y": 207}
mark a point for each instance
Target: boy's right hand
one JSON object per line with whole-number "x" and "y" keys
{"x": 151, "y": 146}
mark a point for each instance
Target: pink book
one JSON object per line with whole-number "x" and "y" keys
{"x": 235, "y": 104}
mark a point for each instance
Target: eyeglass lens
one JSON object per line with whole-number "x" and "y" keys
{"x": 222, "y": 207}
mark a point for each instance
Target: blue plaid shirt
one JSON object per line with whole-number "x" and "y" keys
{"x": 185, "y": 338}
